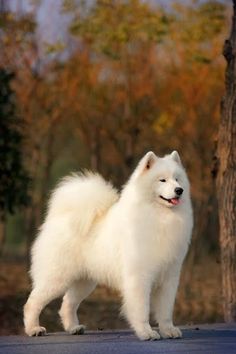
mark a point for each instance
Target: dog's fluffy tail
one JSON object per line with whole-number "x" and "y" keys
{"x": 82, "y": 197}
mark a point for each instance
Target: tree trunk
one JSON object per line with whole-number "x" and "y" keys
{"x": 226, "y": 178}
{"x": 30, "y": 230}
{"x": 45, "y": 177}
{"x": 95, "y": 149}
{"x": 2, "y": 233}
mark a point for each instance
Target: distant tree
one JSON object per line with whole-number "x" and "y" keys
{"x": 123, "y": 37}
{"x": 189, "y": 100}
{"x": 14, "y": 180}
{"x": 226, "y": 178}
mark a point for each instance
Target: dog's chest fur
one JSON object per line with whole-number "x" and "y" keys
{"x": 160, "y": 240}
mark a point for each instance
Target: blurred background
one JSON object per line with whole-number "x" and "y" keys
{"x": 95, "y": 85}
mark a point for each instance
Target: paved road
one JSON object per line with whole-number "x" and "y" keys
{"x": 207, "y": 339}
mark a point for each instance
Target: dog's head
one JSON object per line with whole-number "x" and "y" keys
{"x": 162, "y": 179}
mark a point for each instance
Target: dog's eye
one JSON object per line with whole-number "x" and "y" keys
{"x": 176, "y": 179}
{"x": 162, "y": 180}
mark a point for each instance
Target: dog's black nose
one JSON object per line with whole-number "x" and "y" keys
{"x": 179, "y": 190}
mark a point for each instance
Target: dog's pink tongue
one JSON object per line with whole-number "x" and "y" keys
{"x": 175, "y": 201}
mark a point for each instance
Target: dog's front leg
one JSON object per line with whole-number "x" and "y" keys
{"x": 136, "y": 306}
{"x": 163, "y": 299}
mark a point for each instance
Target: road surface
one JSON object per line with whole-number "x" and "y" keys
{"x": 207, "y": 339}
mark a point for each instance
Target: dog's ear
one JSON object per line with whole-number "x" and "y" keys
{"x": 175, "y": 156}
{"x": 146, "y": 163}
{"x": 149, "y": 160}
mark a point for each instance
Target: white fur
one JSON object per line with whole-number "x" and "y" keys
{"x": 135, "y": 242}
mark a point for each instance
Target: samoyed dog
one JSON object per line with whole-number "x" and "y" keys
{"x": 135, "y": 242}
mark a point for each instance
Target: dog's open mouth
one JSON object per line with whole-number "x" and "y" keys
{"x": 173, "y": 201}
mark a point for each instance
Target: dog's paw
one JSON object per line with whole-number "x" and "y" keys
{"x": 170, "y": 332}
{"x": 148, "y": 334}
{"x": 37, "y": 331}
{"x": 79, "y": 329}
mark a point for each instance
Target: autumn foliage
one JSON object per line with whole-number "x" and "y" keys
{"x": 129, "y": 77}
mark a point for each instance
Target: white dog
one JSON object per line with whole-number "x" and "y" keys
{"x": 135, "y": 242}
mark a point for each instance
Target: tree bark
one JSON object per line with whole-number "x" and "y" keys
{"x": 226, "y": 177}
{"x": 2, "y": 233}
{"x": 95, "y": 149}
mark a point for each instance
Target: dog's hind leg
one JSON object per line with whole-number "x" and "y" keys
{"x": 38, "y": 299}
{"x": 77, "y": 292}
